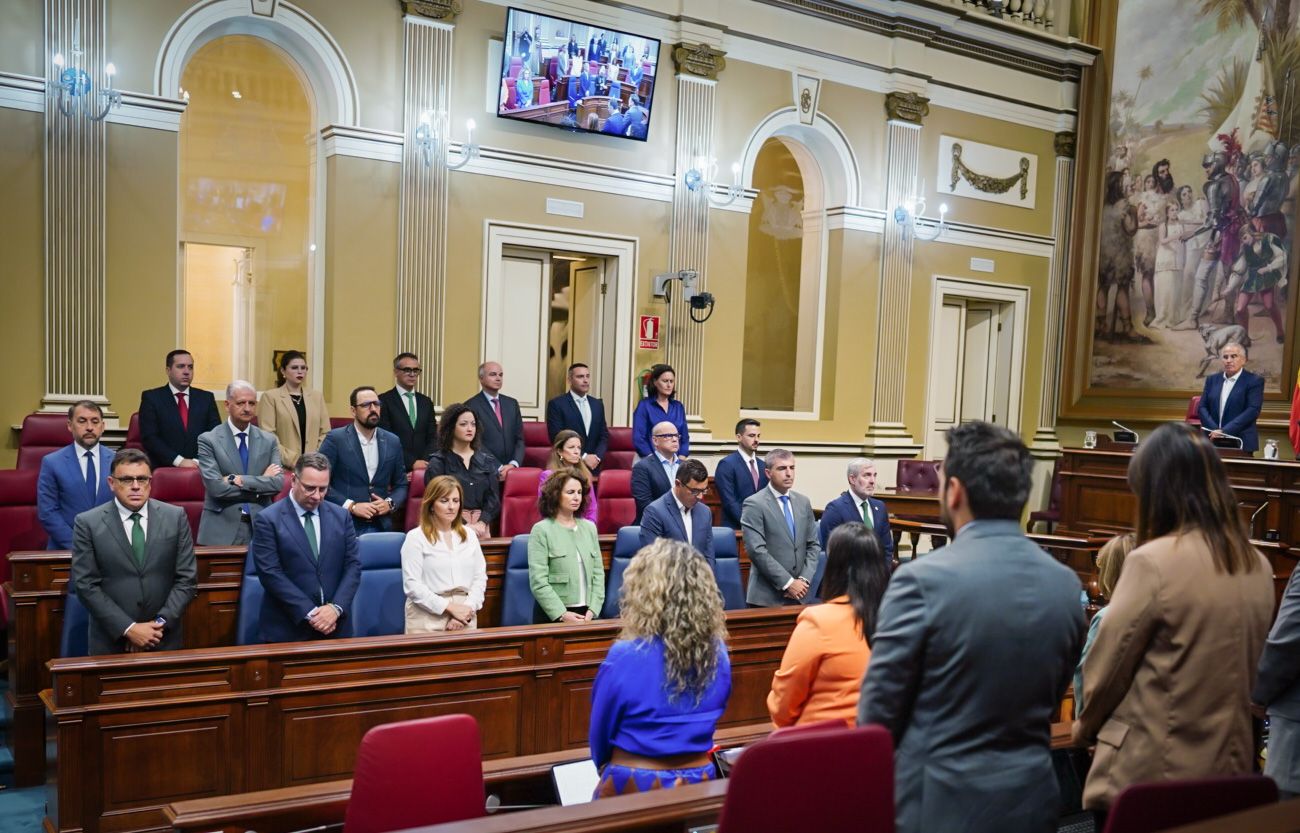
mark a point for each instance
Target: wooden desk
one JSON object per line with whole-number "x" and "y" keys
{"x": 516, "y": 781}
{"x": 923, "y": 506}
{"x": 134, "y": 733}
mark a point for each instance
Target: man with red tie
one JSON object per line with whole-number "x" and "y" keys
{"x": 173, "y": 416}
{"x": 500, "y": 422}
{"x": 740, "y": 474}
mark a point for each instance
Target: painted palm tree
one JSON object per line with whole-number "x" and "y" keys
{"x": 1267, "y": 15}
{"x": 1143, "y": 75}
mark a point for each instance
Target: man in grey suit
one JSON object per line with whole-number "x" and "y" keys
{"x": 133, "y": 564}
{"x": 974, "y": 648}
{"x": 240, "y": 464}
{"x": 1277, "y": 692}
{"x": 780, "y": 535}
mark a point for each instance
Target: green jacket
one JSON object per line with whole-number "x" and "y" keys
{"x": 553, "y": 566}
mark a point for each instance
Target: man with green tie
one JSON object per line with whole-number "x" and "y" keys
{"x": 408, "y": 413}
{"x": 133, "y": 564}
{"x": 857, "y": 504}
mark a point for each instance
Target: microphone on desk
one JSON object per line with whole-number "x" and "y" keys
{"x": 493, "y": 804}
{"x": 1254, "y": 515}
{"x": 1222, "y": 436}
{"x": 1124, "y": 435}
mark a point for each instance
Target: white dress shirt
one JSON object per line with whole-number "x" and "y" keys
{"x": 175, "y": 390}
{"x": 370, "y": 451}
{"x": 127, "y": 523}
{"x": 1228, "y": 383}
{"x": 670, "y": 466}
{"x": 686, "y": 520}
{"x": 779, "y": 497}
{"x": 81, "y": 461}
{"x": 450, "y": 565}
{"x": 584, "y": 408}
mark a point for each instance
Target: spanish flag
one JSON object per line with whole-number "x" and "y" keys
{"x": 1293, "y": 430}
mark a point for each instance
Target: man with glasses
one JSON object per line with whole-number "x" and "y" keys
{"x": 681, "y": 514}
{"x": 133, "y": 564}
{"x": 367, "y": 478}
{"x": 653, "y": 476}
{"x": 408, "y": 414}
{"x": 1231, "y": 400}
{"x": 305, "y": 550}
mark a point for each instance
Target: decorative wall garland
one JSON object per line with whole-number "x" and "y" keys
{"x": 984, "y": 182}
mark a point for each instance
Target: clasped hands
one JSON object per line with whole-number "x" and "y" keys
{"x": 374, "y": 508}
{"x": 324, "y": 619}
{"x": 461, "y": 616}
{"x": 271, "y": 471}
{"x": 797, "y": 589}
{"x": 571, "y": 618}
{"x": 143, "y": 636}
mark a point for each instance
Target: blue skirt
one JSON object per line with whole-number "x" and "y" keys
{"x": 616, "y": 779}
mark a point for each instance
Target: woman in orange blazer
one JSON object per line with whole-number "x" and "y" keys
{"x": 821, "y": 672}
{"x": 295, "y": 415}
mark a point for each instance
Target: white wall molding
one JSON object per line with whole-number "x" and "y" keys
{"x": 149, "y": 111}
{"x": 551, "y": 170}
{"x": 361, "y": 142}
{"x": 22, "y": 92}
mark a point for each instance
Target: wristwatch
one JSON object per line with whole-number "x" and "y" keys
{"x": 230, "y": 478}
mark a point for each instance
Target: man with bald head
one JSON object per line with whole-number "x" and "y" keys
{"x": 500, "y": 423}
{"x": 653, "y": 476}
{"x": 240, "y": 464}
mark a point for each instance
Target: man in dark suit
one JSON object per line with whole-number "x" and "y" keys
{"x": 1277, "y": 692}
{"x": 579, "y": 412}
{"x": 240, "y": 464}
{"x": 500, "y": 422}
{"x": 780, "y": 533}
{"x": 133, "y": 564}
{"x": 653, "y": 476}
{"x": 741, "y": 473}
{"x": 75, "y": 478}
{"x": 681, "y": 514}
{"x": 305, "y": 550}
{"x": 408, "y": 414}
{"x": 1232, "y": 400}
{"x": 974, "y": 648}
{"x": 173, "y": 416}
{"x": 857, "y": 504}
{"x": 366, "y": 474}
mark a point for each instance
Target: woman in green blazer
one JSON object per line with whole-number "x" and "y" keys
{"x": 565, "y": 570}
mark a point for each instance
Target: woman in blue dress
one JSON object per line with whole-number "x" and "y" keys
{"x": 660, "y": 405}
{"x": 664, "y": 684}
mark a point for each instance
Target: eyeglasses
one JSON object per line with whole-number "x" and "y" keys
{"x": 366, "y": 405}
{"x": 697, "y": 492}
{"x": 314, "y": 490}
{"x": 416, "y": 370}
{"x": 667, "y": 436}
{"x": 142, "y": 480}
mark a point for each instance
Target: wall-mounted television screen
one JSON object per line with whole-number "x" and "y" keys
{"x": 577, "y": 76}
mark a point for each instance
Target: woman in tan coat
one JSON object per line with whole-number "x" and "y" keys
{"x": 295, "y": 415}
{"x": 1167, "y": 682}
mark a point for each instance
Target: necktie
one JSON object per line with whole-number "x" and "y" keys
{"x": 866, "y": 515}
{"x": 184, "y": 408}
{"x": 585, "y": 410}
{"x": 789, "y": 516}
{"x": 91, "y": 486}
{"x": 310, "y": 528}
{"x": 243, "y": 458}
{"x": 753, "y": 472}
{"x": 410, "y": 406}
{"x": 137, "y": 538}
{"x": 496, "y": 409}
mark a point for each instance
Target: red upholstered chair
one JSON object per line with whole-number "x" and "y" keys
{"x": 288, "y": 484}
{"x": 615, "y": 507}
{"x": 414, "y": 497}
{"x": 19, "y": 527}
{"x": 918, "y": 476}
{"x": 183, "y": 488}
{"x": 133, "y": 433}
{"x": 621, "y": 453}
{"x": 1146, "y": 808}
{"x": 1052, "y": 514}
{"x": 516, "y": 65}
{"x": 519, "y": 501}
{"x": 339, "y": 422}
{"x": 537, "y": 445}
{"x": 511, "y": 99}
{"x": 1193, "y": 410}
{"x": 417, "y": 773}
{"x": 857, "y": 797}
{"x": 40, "y": 435}
{"x": 543, "y": 92}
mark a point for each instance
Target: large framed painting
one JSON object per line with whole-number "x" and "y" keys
{"x": 1189, "y": 152}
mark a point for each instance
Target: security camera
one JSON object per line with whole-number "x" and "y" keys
{"x": 690, "y": 293}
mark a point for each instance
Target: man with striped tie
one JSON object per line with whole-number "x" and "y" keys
{"x": 133, "y": 564}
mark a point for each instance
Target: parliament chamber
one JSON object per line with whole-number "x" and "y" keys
{"x": 853, "y": 225}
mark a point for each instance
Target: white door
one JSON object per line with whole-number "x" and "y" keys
{"x": 972, "y": 376}
{"x": 218, "y": 301}
{"x": 516, "y": 327}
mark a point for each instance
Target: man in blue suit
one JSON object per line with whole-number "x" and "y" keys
{"x": 653, "y": 476}
{"x": 741, "y": 473}
{"x": 580, "y": 412}
{"x": 173, "y": 416}
{"x": 857, "y": 504}
{"x": 75, "y": 478}
{"x": 367, "y": 476}
{"x": 305, "y": 550}
{"x": 681, "y": 514}
{"x": 1232, "y": 400}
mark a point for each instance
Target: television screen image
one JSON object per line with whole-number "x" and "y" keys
{"x": 577, "y": 76}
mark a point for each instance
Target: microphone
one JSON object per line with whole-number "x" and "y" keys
{"x": 493, "y": 804}
{"x": 1240, "y": 442}
{"x": 1255, "y": 514}
{"x": 1128, "y": 435}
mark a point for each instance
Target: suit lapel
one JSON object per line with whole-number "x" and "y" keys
{"x": 354, "y": 447}
{"x": 117, "y": 532}
{"x": 154, "y": 536}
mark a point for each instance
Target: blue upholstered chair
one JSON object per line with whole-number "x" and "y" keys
{"x": 250, "y": 605}
{"x": 75, "y": 639}
{"x": 517, "y": 603}
{"x": 726, "y": 568}
{"x": 379, "y": 608}
{"x": 626, "y": 544}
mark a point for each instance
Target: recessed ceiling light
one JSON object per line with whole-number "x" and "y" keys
{"x": 568, "y": 257}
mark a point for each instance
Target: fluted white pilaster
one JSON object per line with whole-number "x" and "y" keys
{"x": 1046, "y": 442}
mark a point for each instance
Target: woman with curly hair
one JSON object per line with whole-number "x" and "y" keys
{"x": 458, "y": 455}
{"x": 664, "y": 684}
{"x": 566, "y": 453}
{"x": 565, "y": 570}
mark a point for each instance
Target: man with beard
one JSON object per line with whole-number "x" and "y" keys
{"x": 1164, "y": 177}
{"x": 1118, "y": 225}
{"x": 1223, "y": 220}
{"x": 367, "y": 476}
{"x": 974, "y": 648}
{"x": 74, "y": 478}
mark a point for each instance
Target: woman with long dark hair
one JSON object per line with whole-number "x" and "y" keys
{"x": 459, "y": 455}
{"x": 566, "y": 453}
{"x": 660, "y": 405}
{"x": 1167, "y": 682}
{"x": 821, "y": 672}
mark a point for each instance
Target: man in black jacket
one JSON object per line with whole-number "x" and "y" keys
{"x": 408, "y": 413}
{"x": 173, "y": 416}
